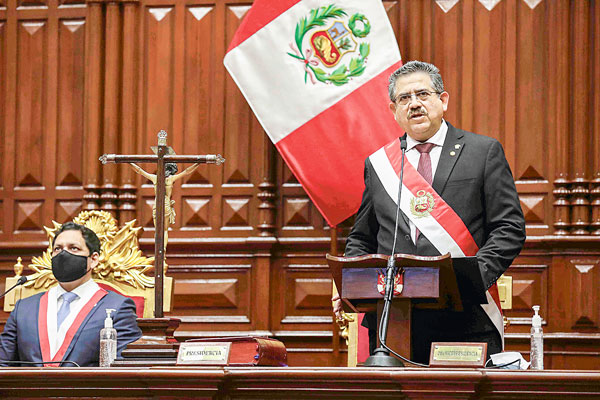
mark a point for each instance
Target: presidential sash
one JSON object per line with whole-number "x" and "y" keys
{"x": 43, "y": 326}
{"x": 431, "y": 215}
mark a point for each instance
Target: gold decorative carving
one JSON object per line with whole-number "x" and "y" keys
{"x": 18, "y": 267}
{"x": 344, "y": 325}
{"x": 505, "y": 291}
{"x": 120, "y": 258}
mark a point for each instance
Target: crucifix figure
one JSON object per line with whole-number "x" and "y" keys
{"x": 163, "y": 155}
{"x": 170, "y": 178}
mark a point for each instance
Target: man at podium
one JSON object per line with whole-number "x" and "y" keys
{"x": 61, "y": 327}
{"x": 458, "y": 196}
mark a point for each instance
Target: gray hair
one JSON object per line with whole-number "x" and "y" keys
{"x": 412, "y": 67}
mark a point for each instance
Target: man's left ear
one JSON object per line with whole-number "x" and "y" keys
{"x": 392, "y": 107}
{"x": 445, "y": 97}
{"x": 95, "y": 257}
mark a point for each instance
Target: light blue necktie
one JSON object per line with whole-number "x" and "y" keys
{"x": 65, "y": 308}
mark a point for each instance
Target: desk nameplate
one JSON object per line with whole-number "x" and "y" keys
{"x": 203, "y": 353}
{"x": 457, "y": 354}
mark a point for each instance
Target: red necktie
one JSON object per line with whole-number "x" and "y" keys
{"x": 424, "y": 167}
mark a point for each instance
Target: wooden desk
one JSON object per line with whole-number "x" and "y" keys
{"x": 296, "y": 383}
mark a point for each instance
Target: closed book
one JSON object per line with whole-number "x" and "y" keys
{"x": 248, "y": 351}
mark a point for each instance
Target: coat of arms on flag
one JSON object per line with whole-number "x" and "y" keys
{"x": 321, "y": 93}
{"x": 326, "y": 37}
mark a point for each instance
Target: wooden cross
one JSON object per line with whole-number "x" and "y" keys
{"x": 163, "y": 155}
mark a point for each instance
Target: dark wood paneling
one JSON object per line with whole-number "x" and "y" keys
{"x": 71, "y": 67}
{"x": 199, "y": 135}
{"x": 32, "y": 78}
{"x": 3, "y": 94}
{"x": 158, "y": 44}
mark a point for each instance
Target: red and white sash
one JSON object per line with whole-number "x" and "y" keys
{"x": 431, "y": 215}
{"x": 43, "y": 326}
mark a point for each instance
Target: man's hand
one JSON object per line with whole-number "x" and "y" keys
{"x": 337, "y": 306}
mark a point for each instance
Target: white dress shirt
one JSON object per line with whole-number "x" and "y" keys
{"x": 413, "y": 155}
{"x": 85, "y": 293}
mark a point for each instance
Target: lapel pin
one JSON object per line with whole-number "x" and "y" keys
{"x": 457, "y": 146}
{"x": 452, "y": 153}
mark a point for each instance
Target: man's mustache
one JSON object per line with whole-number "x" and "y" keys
{"x": 421, "y": 110}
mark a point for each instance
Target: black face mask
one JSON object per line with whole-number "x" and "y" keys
{"x": 68, "y": 267}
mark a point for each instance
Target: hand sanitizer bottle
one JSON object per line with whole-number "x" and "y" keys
{"x": 108, "y": 341}
{"x": 537, "y": 340}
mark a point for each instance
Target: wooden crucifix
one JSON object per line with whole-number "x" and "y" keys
{"x": 163, "y": 154}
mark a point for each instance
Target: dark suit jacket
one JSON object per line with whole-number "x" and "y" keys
{"x": 478, "y": 184}
{"x": 20, "y": 339}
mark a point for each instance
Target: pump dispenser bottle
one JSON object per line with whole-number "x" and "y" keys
{"x": 108, "y": 341}
{"x": 537, "y": 340}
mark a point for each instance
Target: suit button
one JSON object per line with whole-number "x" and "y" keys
{"x": 407, "y": 237}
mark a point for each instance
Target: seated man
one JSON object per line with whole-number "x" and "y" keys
{"x": 64, "y": 323}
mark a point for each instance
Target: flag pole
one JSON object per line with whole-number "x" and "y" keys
{"x": 333, "y": 250}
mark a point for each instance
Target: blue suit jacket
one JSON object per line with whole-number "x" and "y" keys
{"x": 20, "y": 340}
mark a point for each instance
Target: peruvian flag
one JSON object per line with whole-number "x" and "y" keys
{"x": 315, "y": 73}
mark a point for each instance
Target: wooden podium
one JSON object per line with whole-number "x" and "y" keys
{"x": 429, "y": 282}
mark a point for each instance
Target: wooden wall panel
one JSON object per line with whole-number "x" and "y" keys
{"x": 66, "y": 210}
{"x": 244, "y": 143}
{"x": 217, "y": 293}
{"x": 214, "y": 297}
{"x": 530, "y": 95}
{"x": 2, "y": 99}
{"x": 584, "y": 275}
{"x": 237, "y": 130}
{"x": 31, "y": 3}
{"x": 158, "y": 45}
{"x": 71, "y": 67}
{"x": 111, "y": 100}
{"x": 595, "y": 192}
{"x": 31, "y": 112}
{"x": 531, "y": 283}
{"x": 93, "y": 102}
{"x": 198, "y": 132}
{"x": 299, "y": 286}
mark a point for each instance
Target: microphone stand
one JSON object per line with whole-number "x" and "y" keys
{"x": 381, "y": 356}
{"x": 21, "y": 281}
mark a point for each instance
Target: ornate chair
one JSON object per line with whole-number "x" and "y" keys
{"x": 122, "y": 268}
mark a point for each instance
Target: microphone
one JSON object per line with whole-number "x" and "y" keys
{"x": 381, "y": 356}
{"x": 9, "y": 362}
{"x": 403, "y": 148}
{"x": 21, "y": 281}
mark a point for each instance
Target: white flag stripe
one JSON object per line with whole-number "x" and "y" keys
{"x": 491, "y": 309}
{"x": 262, "y": 62}
{"x": 429, "y": 226}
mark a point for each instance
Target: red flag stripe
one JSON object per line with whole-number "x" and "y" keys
{"x": 260, "y": 15}
{"x": 334, "y": 180}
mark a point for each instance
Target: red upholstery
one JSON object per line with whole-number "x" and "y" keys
{"x": 363, "y": 341}
{"x": 138, "y": 300}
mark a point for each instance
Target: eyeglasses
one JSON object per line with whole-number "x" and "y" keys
{"x": 422, "y": 95}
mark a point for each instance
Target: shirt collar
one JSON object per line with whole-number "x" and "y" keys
{"x": 81, "y": 290}
{"x": 437, "y": 139}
